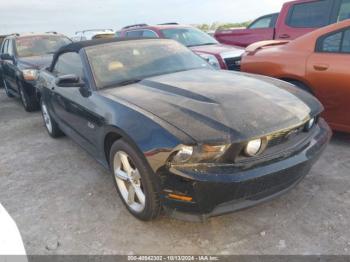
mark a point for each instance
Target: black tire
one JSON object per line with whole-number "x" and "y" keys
{"x": 30, "y": 103}
{"x": 7, "y": 90}
{"x": 301, "y": 86}
{"x": 150, "y": 183}
{"x": 54, "y": 131}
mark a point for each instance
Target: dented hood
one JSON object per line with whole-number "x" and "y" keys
{"x": 216, "y": 106}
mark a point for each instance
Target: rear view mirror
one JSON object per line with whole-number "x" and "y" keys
{"x": 6, "y": 57}
{"x": 69, "y": 81}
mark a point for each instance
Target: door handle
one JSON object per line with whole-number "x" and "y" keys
{"x": 284, "y": 36}
{"x": 321, "y": 67}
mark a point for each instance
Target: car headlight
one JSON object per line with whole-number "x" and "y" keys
{"x": 254, "y": 147}
{"x": 212, "y": 60}
{"x": 183, "y": 155}
{"x": 30, "y": 74}
{"x": 196, "y": 154}
{"x": 310, "y": 124}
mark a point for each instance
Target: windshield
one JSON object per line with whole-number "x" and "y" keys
{"x": 40, "y": 45}
{"x": 122, "y": 63}
{"x": 189, "y": 36}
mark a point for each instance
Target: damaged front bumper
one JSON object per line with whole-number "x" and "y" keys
{"x": 216, "y": 190}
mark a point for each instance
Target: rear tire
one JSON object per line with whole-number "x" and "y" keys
{"x": 30, "y": 103}
{"x": 135, "y": 182}
{"x": 50, "y": 124}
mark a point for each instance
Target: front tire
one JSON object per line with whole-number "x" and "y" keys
{"x": 7, "y": 91}
{"x": 135, "y": 181}
{"x": 50, "y": 124}
{"x": 30, "y": 103}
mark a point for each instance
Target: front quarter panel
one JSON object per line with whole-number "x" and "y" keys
{"x": 151, "y": 136}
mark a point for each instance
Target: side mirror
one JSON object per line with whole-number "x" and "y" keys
{"x": 69, "y": 81}
{"x": 6, "y": 57}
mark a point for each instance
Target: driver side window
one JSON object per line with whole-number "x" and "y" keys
{"x": 68, "y": 64}
{"x": 10, "y": 50}
{"x": 264, "y": 22}
{"x": 4, "y": 47}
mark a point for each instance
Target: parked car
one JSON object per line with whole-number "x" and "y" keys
{"x": 218, "y": 55}
{"x": 295, "y": 19}
{"x": 318, "y": 63}
{"x": 92, "y": 34}
{"x": 21, "y": 56}
{"x": 176, "y": 133}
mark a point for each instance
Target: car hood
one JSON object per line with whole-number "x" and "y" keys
{"x": 216, "y": 106}
{"x": 219, "y": 49}
{"x": 36, "y": 62}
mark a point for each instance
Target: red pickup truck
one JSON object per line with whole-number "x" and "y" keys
{"x": 295, "y": 19}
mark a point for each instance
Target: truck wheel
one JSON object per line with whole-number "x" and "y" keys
{"x": 135, "y": 182}
{"x": 30, "y": 103}
{"x": 50, "y": 124}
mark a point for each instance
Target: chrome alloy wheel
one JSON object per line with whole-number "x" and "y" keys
{"x": 47, "y": 118}
{"x": 129, "y": 182}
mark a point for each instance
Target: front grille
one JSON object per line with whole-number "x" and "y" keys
{"x": 283, "y": 136}
{"x": 233, "y": 63}
{"x": 280, "y": 144}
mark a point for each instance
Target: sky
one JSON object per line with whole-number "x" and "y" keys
{"x": 68, "y": 16}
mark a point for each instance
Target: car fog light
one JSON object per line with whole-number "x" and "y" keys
{"x": 253, "y": 147}
{"x": 183, "y": 155}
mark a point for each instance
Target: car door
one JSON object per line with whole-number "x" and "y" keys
{"x": 2, "y": 51}
{"x": 328, "y": 73}
{"x": 5, "y": 64}
{"x": 11, "y": 67}
{"x": 71, "y": 107}
{"x": 299, "y": 18}
{"x": 261, "y": 29}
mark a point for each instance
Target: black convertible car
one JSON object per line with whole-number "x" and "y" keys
{"x": 178, "y": 135}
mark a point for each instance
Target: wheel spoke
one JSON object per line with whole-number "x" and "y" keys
{"x": 140, "y": 194}
{"x": 131, "y": 194}
{"x": 136, "y": 175}
{"x": 121, "y": 175}
{"x": 126, "y": 164}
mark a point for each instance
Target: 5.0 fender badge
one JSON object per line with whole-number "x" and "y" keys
{"x": 91, "y": 125}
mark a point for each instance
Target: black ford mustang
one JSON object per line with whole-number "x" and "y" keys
{"x": 177, "y": 134}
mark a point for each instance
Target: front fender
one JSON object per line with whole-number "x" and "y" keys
{"x": 148, "y": 134}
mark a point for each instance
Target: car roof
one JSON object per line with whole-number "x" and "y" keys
{"x": 77, "y": 46}
{"x": 156, "y": 27}
{"x": 16, "y": 35}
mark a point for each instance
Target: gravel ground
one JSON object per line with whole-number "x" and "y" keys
{"x": 64, "y": 202}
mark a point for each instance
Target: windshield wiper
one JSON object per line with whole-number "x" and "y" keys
{"x": 123, "y": 83}
{"x": 202, "y": 44}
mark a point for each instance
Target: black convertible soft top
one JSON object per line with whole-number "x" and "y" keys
{"x": 77, "y": 46}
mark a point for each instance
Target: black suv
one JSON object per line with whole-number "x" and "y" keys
{"x": 21, "y": 56}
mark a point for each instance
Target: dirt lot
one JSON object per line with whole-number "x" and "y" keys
{"x": 65, "y": 203}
